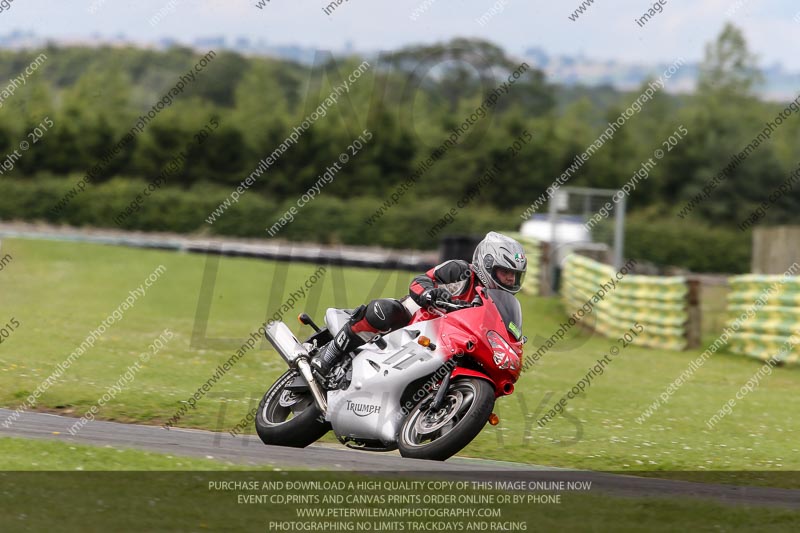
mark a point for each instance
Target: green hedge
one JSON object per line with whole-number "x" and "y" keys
{"x": 695, "y": 246}
{"x": 332, "y": 220}
{"x": 326, "y": 219}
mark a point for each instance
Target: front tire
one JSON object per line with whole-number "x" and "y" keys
{"x": 439, "y": 435}
{"x": 288, "y": 418}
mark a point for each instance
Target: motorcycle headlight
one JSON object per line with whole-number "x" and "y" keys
{"x": 504, "y": 356}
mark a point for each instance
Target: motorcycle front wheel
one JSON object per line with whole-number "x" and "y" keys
{"x": 289, "y": 418}
{"x": 438, "y": 435}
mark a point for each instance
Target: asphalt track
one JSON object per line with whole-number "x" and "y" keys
{"x": 249, "y": 450}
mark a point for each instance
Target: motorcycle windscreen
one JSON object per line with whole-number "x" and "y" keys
{"x": 510, "y": 310}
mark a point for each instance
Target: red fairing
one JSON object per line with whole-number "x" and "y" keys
{"x": 479, "y": 333}
{"x": 460, "y": 371}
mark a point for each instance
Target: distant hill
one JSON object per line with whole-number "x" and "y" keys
{"x": 567, "y": 70}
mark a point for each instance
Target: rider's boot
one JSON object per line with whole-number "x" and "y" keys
{"x": 350, "y": 337}
{"x": 345, "y": 341}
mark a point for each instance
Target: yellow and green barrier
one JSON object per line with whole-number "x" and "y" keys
{"x": 763, "y": 314}
{"x": 659, "y": 304}
{"x": 532, "y": 249}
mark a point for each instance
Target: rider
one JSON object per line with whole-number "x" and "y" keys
{"x": 498, "y": 263}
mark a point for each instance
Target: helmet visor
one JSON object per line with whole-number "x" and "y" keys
{"x": 508, "y": 278}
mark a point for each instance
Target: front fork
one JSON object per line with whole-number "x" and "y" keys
{"x": 439, "y": 398}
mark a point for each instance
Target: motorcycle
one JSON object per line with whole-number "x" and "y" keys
{"x": 427, "y": 389}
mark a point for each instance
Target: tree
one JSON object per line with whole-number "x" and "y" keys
{"x": 722, "y": 119}
{"x": 729, "y": 69}
{"x": 260, "y": 102}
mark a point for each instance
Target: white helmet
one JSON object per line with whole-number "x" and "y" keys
{"x": 496, "y": 258}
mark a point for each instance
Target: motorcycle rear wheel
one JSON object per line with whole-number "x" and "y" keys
{"x": 439, "y": 435}
{"x": 288, "y": 418}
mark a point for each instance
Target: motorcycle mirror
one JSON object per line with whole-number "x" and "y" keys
{"x": 306, "y": 320}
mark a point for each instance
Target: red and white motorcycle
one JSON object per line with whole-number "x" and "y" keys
{"x": 428, "y": 388}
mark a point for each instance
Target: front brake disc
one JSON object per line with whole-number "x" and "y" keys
{"x": 428, "y": 422}
{"x": 288, "y": 398}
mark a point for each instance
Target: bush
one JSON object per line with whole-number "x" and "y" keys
{"x": 697, "y": 247}
{"x": 326, "y": 219}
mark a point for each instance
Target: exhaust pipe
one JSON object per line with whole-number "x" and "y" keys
{"x": 296, "y": 356}
{"x": 316, "y": 391}
{"x": 285, "y": 343}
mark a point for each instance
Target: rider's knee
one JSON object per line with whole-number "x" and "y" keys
{"x": 387, "y": 314}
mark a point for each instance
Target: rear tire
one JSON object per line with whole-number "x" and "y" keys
{"x": 440, "y": 435}
{"x": 287, "y": 418}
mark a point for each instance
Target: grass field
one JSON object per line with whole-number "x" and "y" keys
{"x": 59, "y": 292}
{"x": 129, "y": 490}
{"x": 36, "y": 455}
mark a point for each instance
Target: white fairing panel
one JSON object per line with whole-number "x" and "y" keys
{"x": 335, "y": 319}
{"x": 370, "y": 407}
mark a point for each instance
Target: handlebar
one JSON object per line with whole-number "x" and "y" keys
{"x": 453, "y": 306}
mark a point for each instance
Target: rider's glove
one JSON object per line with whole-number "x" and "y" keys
{"x": 432, "y": 295}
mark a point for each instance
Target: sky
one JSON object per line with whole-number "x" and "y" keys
{"x": 606, "y": 30}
